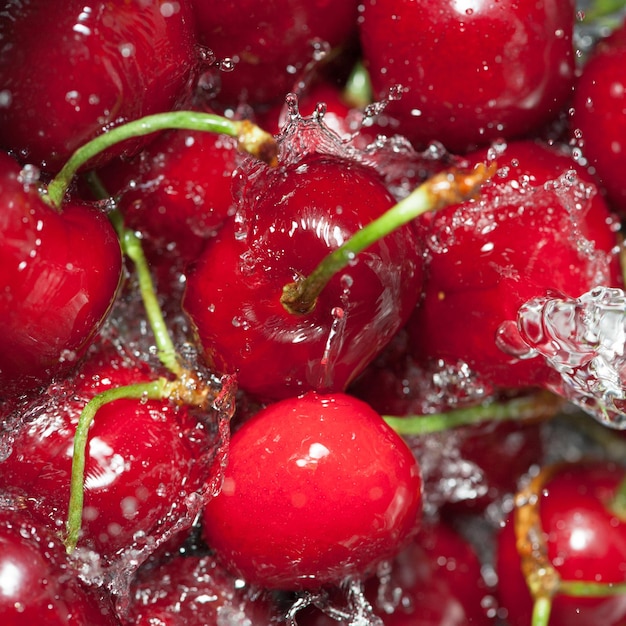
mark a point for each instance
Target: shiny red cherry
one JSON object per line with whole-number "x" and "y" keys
{"x": 597, "y": 122}
{"x": 469, "y": 71}
{"x": 59, "y": 276}
{"x": 292, "y": 218}
{"x": 317, "y": 488}
{"x": 539, "y": 226}
{"x": 102, "y": 64}
{"x": 146, "y": 460}
{"x": 38, "y": 584}
{"x": 585, "y": 541}
{"x": 271, "y": 48}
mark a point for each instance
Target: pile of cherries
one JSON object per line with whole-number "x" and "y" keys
{"x": 272, "y": 278}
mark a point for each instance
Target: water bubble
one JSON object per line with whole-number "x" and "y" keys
{"x": 227, "y": 64}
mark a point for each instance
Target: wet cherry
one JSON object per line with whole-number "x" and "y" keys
{"x": 291, "y": 219}
{"x": 102, "y": 64}
{"x": 59, "y": 276}
{"x": 469, "y": 72}
{"x": 317, "y": 488}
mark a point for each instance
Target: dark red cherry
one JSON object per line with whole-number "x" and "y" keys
{"x": 585, "y": 541}
{"x": 193, "y": 591}
{"x": 272, "y": 46}
{"x": 471, "y": 71}
{"x": 101, "y": 64}
{"x": 317, "y": 488}
{"x": 290, "y": 219}
{"x": 59, "y": 276}
{"x": 538, "y": 226}
{"x": 598, "y": 115}
{"x": 176, "y": 192}
{"x": 145, "y": 462}
{"x": 38, "y": 584}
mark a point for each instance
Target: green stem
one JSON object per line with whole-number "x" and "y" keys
{"x": 166, "y": 350}
{"x": 154, "y": 390}
{"x": 603, "y": 8}
{"x": 132, "y": 248}
{"x": 588, "y": 589}
{"x": 447, "y": 188}
{"x": 358, "y": 89}
{"x": 539, "y": 406}
{"x": 542, "y": 608}
{"x": 251, "y": 139}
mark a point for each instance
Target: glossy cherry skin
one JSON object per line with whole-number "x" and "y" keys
{"x": 176, "y": 192}
{"x": 102, "y": 64}
{"x": 38, "y": 585}
{"x": 597, "y": 123}
{"x": 144, "y": 459}
{"x": 520, "y": 239}
{"x": 272, "y": 46}
{"x": 470, "y": 71}
{"x": 59, "y": 276}
{"x": 294, "y": 219}
{"x": 193, "y": 591}
{"x": 586, "y": 542}
{"x": 317, "y": 488}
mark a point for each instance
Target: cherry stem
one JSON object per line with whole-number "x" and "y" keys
{"x": 251, "y": 139}
{"x": 450, "y": 187}
{"x": 542, "y": 607}
{"x": 588, "y": 589}
{"x": 542, "y": 405}
{"x": 358, "y": 89}
{"x": 153, "y": 390}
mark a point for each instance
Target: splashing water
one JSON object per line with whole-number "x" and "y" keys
{"x": 584, "y": 340}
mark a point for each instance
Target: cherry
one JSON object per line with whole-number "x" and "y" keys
{"x": 193, "y": 591}
{"x": 146, "y": 463}
{"x": 59, "y": 274}
{"x": 573, "y": 533}
{"x": 317, "y": 488}
{"x": 176, "y": 192}
{"x": 272, "y": 47}
{"x": 433, "y": 581}
{"x": 38, "y": 584}
{"x": 597, "y": 121}
{"x": 102, "y": 64}
{"x": 534, "y": 230}
{"x": 292, "y": 218}
{"x": 469, "y": 72}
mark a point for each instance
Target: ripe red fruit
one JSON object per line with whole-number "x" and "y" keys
{"x": 533, "y": 230}
{"x": 292, "y": 218}
{"x": 176, "y": 192}
{"x": 470, "y": 71}
{"x": 102, "y": 64}
{"x": 272, "y": 46}
{"x": 193, "y": 591}
{"x": 317, "y": 488}
{"x": 37, "y": 582}
{"x": 145, "y": 461}
{"x": 597, "y": 122}
{"x": 59, "y": 275}
{"x": 586, "y": 542}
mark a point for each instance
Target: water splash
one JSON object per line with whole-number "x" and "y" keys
{"x": 584, "y": 340}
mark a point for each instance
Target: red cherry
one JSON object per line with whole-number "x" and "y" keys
{"x": 469, "y": 71}
{"x": 598, "y": 115}
{"x": 37, "y": 582}
{"x": 317, "y": 488}
{"x": 586, "y": 541}
{"x": 193, "y": 591}
{"x": 292, "y": 219}
{"x": 528, "y": 234}
{"x": 59, "y": 273}
{"x": 176, "y": 192}
{"x": 272, "y": 46}
{"x": 102, "y": 64}
{"x": 146, "y": 461}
